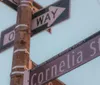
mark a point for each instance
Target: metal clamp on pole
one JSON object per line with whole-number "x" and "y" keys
{"x": 20, "y": 66}
{"x": 26, "y": 3}
{"x": 22, "y": 25}
{"x": 26, "y": 78}
{"x": 17, "y": 73}
{"x": 21, "y": 50}
{"x": 22, "y": 43}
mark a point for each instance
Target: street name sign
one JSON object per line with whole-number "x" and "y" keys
{"x": 42, "y": 20}
{"x": 53, "y": 82}
{"x": 66, "y": 61}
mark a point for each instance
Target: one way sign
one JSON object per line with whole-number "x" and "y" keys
{"x": 42, "y": 20}
{"x": 50, "y": 16}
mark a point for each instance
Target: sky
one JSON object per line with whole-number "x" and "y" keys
{"x": 83, "y": 22}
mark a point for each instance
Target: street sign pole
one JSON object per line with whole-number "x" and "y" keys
{"x": 22, "y": 42}
{"x": 22, "y": 45}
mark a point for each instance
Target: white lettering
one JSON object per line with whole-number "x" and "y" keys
{"x": 80, "y": 57}
{"x": 47, "y": 70}
{"x": 61, "y": 66}
{"x": 68, "y": 61}
{"x": 40, "y": 77}
{"x": 93, "y": 48}
{"x": 32, "y": 79}
{"x": 73, "y": 59}
{"x": 99, "y": 43}
{"x": 53, "y": 70}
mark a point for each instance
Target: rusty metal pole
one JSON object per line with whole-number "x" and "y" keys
{"x": 22, "y": 42}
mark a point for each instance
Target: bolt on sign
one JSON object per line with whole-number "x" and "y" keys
{"x": 42, "y": 20}
{"x": 66, "y": 61}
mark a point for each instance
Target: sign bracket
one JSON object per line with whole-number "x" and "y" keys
{"x": 26, "y": 77}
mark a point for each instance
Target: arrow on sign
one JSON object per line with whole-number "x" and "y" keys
{"x": 48, "y": 17}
